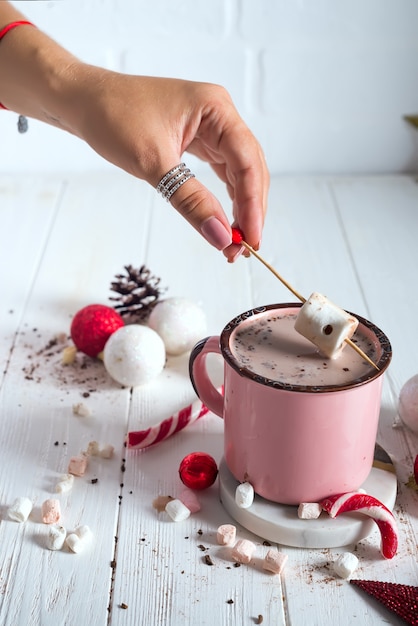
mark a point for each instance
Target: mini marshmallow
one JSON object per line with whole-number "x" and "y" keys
{"x": 244, "y": 495}
{"x": 79, "y": 539}
{"x": 65, "y": 483}
{"x": 309, "y": 510}
{"x": 84, "y": 533}
{"x": 189, "y": 499}
{"x": 93, "y": 449}
{"x": 56, "y": 537}
{"x": 325, "y": 324}
{"x": 51, "y": 511}
{"x": 74, "y": 542}
{"x": 68, "y": 355}
{"x": 243, "y": 551}
{"x": 345, "y": 565}
{"x": 81, "y": 409}
{"x": 275, "y": 561}
{"x": 226, "y": 535}
{"x": 77, "y": 465}
{"x": 177, "y": 510}
{"x": 107, "y": 451}
{"x": 20, "y": 510}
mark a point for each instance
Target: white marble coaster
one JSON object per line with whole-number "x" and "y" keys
{"x": 280, "y": 523}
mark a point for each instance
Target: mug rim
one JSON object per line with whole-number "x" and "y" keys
{"x": 370, "y": 375}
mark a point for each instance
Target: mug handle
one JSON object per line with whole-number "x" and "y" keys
{"x": 201, "y": 382}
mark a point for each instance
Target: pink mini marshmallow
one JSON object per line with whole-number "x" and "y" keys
{"x": 51, "y": 511}
{"x": 77, "y": 465}
{"x": 243, "y": 551}
{"x": 189, "y": 499}
{"x": 226, "y": 535}
{"x": 274, "y": 561}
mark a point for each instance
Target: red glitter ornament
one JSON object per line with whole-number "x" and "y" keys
{"x": 400, "y": 599}
{"x": 198, "y": 470}
{"x": 237, "y": 235}
{"x": 92, "y": 326}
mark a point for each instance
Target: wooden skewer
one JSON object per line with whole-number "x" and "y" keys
{"x": 361, "y": 353}
{"x": 302, "y": 299}
{"x": 273, "y": 271}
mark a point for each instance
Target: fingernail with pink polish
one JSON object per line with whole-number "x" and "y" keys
{"x": 215, "y": 233}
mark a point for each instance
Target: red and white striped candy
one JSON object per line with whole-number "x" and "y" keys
{"x": 141, "y": 439}
{"x": 363, "y": 503}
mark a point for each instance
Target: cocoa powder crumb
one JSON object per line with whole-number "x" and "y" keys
{"x": 208, "y": 560}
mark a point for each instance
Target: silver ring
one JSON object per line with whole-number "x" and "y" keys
{"x": 173, "y": 180}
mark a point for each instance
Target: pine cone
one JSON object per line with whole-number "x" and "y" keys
{"x": 139, "y": 292}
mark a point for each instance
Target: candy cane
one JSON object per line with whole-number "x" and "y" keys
{"x": 141, "y": 439}
{"x": 368, "y": 505}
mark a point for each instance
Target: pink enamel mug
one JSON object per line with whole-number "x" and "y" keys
{"x": 298, "y": 426}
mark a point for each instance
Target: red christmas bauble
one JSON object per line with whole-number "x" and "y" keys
{"x": 198, "y": 470}
{"x": 92, "y": 326}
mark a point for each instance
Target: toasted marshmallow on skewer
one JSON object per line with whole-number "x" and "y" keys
{"x": 325, "y": 324}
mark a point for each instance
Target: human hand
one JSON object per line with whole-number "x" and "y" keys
{"x": 145, "y": 124}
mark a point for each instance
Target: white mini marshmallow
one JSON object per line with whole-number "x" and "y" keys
{"x": 189, "y": 499}
{"x": 244, "y": 495}
{"x": 325, "y": 324}
{"x": 74, "y": 542}
{"x": 243, "y": 551}
{"x": 81, "y": 409}
{"x": 79, "y": 539}
{"x": 107, "y": 451}
{"x": 345, "y": 565}
{"x": 93, "y": 449}
{"x": 177, "y": 510}
{"x": 84, "y": 533}
{"x": 20, "y": 510}
{"x": 68, "y": 355}
{"x": 226, "y": 535}
{"x": 309, "y": 510}
{"x": 56, "y": 537}
{"x": 65, "y": 483}
{"x": 275, "y": 561}
{"x": 51, "y": 511}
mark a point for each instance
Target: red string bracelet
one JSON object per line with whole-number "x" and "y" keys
{"x": 4, "y": 32}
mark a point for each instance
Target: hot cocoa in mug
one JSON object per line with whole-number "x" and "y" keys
{"x": 298, "y": 426}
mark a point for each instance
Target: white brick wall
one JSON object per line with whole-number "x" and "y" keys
{"x": 323, "y": 83}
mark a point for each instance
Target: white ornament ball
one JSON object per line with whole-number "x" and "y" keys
{"x": 134, "y": 355}
{"x": 408, "y": 403}
{"x": 179, "y": 322}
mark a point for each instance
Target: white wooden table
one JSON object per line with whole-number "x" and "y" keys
{"x": 62, "y": 240}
